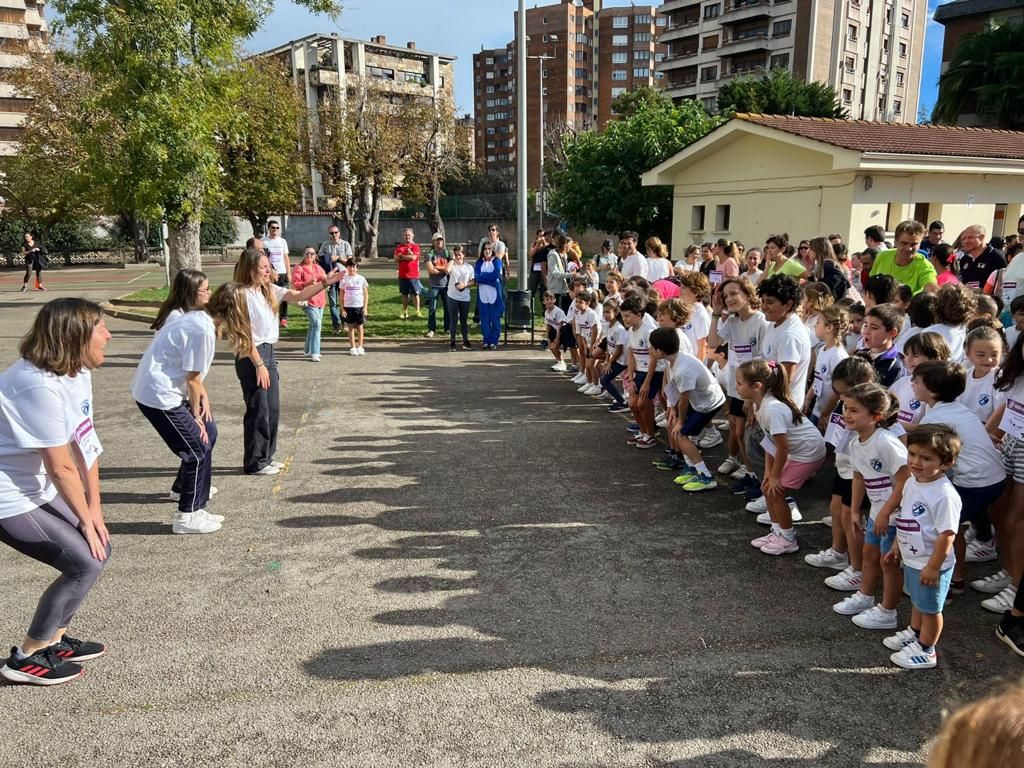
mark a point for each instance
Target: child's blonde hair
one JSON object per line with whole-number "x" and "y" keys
{"x": 818, "y": 297}
{"x": 837, "y": 318}
{"x": 677, "y": 310}
{"x": 987, "y": 733}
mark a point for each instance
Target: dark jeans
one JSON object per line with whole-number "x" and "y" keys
{"x": 608, "y": 383}
{"x": 458, "y": 311}
{"x": 536, "y": 285}
{"x": 435, "y": 297}
{"x": 283, "y": 309}
{"x": 332, "y": 302}
{"x": 262, "y": 410}
{"x": 564, "y": 301}
{"x": 180, "y": 433}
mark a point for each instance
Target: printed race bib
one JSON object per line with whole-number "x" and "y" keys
{"x": 769, "y": 445}
{"x": 836, "y": 432}
{"x": 908, "y": 534}
{"x": 905, "y": 417}
{"x": 878, "y": 489}
{"x": 88, "y": 442}
{"x": 974, "y": 284}
{"x": 716, "y": 277}
{"x": 741, "y": 353}
{"x": 1009, "y": 292}
{"x": 1012, "y": 422}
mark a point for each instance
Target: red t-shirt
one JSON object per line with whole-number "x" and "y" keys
{"x": 408, "y": 269}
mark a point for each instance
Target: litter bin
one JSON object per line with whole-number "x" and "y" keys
{"x": 519, "y": 313}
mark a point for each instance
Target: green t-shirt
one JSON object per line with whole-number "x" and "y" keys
{"x": 791, "y": 267}
{"x": 916, "y": 275}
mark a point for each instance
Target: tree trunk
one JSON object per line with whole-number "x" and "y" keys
{"x": 258, "y": 222}
{"x": 348, "y": 212}
{"x": 434, "y": 193}
{"x": 139, "y": 229}
{"x": 183, "y": 240}
{"x": 372, "y": 198}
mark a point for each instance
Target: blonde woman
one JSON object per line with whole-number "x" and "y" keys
{"x": 50, "y": 481}
{"x": 168, "y": 388}
{"x": 659, "y": 266}
{"x": 257, "y": 369}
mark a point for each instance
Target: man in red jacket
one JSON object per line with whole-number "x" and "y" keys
{"x": 407, "y": 257}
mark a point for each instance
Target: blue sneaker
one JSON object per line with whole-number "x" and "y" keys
{"x": 754, "y": 492}
{"x": 633, "y": 427}
{"x": 744, "y": 485}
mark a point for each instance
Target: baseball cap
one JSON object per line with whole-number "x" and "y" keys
{"x": 437, "y": 236}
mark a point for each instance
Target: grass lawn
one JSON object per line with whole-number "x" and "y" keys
{"x": 384, "y": 321}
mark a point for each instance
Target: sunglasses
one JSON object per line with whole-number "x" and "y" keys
{"x": 804, "y": 248}
{"x": 335, "y": 232}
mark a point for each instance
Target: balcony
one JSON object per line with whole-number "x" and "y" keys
{"x": 745, "y": 9}
{"x": 677, "y": 31}
{"x": 679, "y": 61}
{"x": 324, "y": 77}
{"x": 756, "y": 71}
{"x": 745, "y": 43}
{"x": 672, "y": 6}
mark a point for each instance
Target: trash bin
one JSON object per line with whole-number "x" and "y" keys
{"x": 518, "y": 313}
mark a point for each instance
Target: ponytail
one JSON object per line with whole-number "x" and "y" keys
{"x": 775, "y": 381}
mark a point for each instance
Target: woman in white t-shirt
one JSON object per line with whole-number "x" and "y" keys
{"x": 168, "y": 388}
{"x": 460, "y": 279}
{"x": 659, "y": 266}
{"x": 50, "y": 481}
{"x": 189, "y": 291}
{"x": 257, "y": 370}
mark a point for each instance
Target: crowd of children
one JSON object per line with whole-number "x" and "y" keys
{"x": 916, "y": 402}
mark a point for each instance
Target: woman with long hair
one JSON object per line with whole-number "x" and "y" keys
{"x": 50, "y": 481}
{"x": 659, "y": 266}
{"x": 168, "y": 388}
{"x": 189, "y": 291}
{"x": 308, "y": 272}
{"x": 728, "y": 258}
{"x": 257, "y": 368}
{"x": 826, "y": 268}
{"x": 35, "y": 261}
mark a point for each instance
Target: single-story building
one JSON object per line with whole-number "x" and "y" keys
{"x": 761, "y": 174}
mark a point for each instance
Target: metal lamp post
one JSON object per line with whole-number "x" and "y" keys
{"x": 540, "y": 175}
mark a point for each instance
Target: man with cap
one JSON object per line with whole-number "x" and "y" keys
{"x": 437, "y": 264}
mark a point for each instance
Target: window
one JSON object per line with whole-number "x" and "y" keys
{"x": 851, "y": 32}
{"x": 582, "y": 74}
{"x": 888, "y": 15}
{"x": 897, "y": 106}
{"x": 722, "y": 215}
{"x": 641, "y": 72}
{"x": 620, "y": 41}
{"x": 490, "y": 89}
{"x": 903, "y": 50}
{"x": 619, "y": 74}
{"x": 618, "y": 91}
{"x": 620, "y": 58}
{"x": 490, "y": 131}
{"x": 489, "y": 75}
{"x": 708, "y": 74}
{"x": 659, "y": 57}
{"x": 414, "y": 77}
{"x": 620, "y": 22}
{"x": 885, "y": 45}
{"x": 389, "y": 74}
{"x": 710, "y": 105}
{"x": 899, "y": 78}
{"x": 905, "y": 20}
{"x": 582, "y": 39}
{"x": 881, "y": 105}
{"x": 697, "y": 217}
{"x": 544, "y": 20}
{"x": 492, "y": 145}
{"x": 851, "y": 64}
{"x": 847, "y": 95}
{"x": 642, "y": 37}
{"x": 641, "y": 55}
{"x": 489, "y": 61}
{"x": 490, "y": 103}
{"x": 779, "y": 60}
{"x": 662, "y": 21}
{"x": 712, "y": 10}
{"x": 782, "y": 28}
{"x": 545, "y": 38}
{"x": 659, "y": 75}
{"x": 710, "y": 42}
{"x": 642, "y": 18}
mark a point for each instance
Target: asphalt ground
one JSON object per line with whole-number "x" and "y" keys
{"x": 462, "y": 564}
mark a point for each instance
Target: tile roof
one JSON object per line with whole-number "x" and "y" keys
{"x": 899, "y": 138}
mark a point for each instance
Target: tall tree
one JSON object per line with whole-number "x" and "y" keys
{"x": 162, "y": 75}
{"x": 984, "y": 77}
{"x": 599, "y": 185}
{"x": 779, "y": 93}
{"x": 262, "y": 142}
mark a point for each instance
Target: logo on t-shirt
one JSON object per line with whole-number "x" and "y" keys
{"x": 85, "y": 407}
{"x": 915, "y": 404}
{"x": 876, "y": 465}
{"x": 983, "y": 399}
{"x": 918, "y": 509}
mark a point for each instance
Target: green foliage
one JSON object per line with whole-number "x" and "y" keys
{"x": 629, "y": 103}
{"x": 779, "y": 93}
{"x": 70, "y": 233}
{"x": 218, "y": 227}
{"x": 599, "y": 185}
{"x": 984, "y": 77}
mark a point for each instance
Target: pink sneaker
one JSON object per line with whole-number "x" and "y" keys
{"x": 780, "y": 545}
{"x": 760, "y": 541}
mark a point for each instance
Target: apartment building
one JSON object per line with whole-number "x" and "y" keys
{"x": 870, "y": 52}
{"x": 585, "y": 55}
{"x": 330, "y": 67}
{"x": 22, "y": 31}
{"x": 961, "y": 18}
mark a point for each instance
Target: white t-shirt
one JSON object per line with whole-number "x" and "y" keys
{"x": 805, "y": 443}
{"x": 906, "y": 332}
{"x": 877, "y": 459}
{"x": 262, "y": 316}
{"x": 955, "y": 336}
{"x": 658, "y": 269}
{"x": 634, "y": 264}
{"x": 185, "y": 345}
{"x": 700, "y": 324}
{"x": 787, "y": 342}
{"x": 691, "y": 376}
{"x": 585, "y": 322}
{"x": 854, "y": 341}
{"x": 980, "y": 395}
{"x": 911, "y": 409}
{"x": 554, "y": 317}
{"x": 462, "y": 274}
{"x": 639, "y": 343}
{"x": 979, "y": 464}
{"x": 1011, "y": 336}
{"x": 1012, "y": 422}
{"x": 743, "y": 338}
{"x": 686, "y": 266}
{"x": 838, "y": 436}
{"x": 39, "y": 410}
{"x": 352, "y": 291}
{"x": 618, "y": 337}
{"x": 276, "y": 249}
{"x": 810, "y": 324}
{"x": 926, "y": 510}
{"x": 824, "y": 367}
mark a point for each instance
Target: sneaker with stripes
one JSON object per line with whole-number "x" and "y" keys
{"x": 912, "y": 656}
{"x": 40, "y": 668}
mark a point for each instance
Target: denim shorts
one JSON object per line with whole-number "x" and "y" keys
{"x": 926, "y": 599}
{"x": 410, "y": 286}
{"x": 885, "y": 542}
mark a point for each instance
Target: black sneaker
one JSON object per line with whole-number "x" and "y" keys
{"x": 618, "y": 408}
{"x": 467, "y": 346}
{"x": 41, "y": 668}
{"x": 1011, "y": 632}
{"x": 72, "y": 649}
{"x": 451, "y": 349}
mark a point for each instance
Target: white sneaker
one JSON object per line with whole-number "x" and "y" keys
{"x": 728, "y": 466}
{"x": 758, "y": 505}
{"x": 738, "y": 473}
{"x": 579, "y": 378}
{"x": 847, "y": 580}
{"x": 970, "y": 534}
{"x": 594, "y": 390}
{"x": 362, "y": 350}
{"x": 710, "y": 439}
{"x": 585, "y": 386}
{"x": 764, "y": 519}
{"x": 197, "y": 522}
{"x": 661, "y": 421}
{"x": 211, "y": 516}
{"x": 982, "y": 551}
{"x": 560, "y": 367}
{"x": 213, "y": 492}
{"x": 900, "y": 640}
{"x": 315, "y": 358}
{"x": 430, "y": 334}
{"x": 992, "y": 585}
{"x": 354, "y": 351}
{"x": 877, "y": 618}
{"x": 829, "y": 558}
{"x": 856, "y": 603}
{"x": 270, "y": 469}
{"x": 605, "y": 395}
{"x": 827, "y": 520}
{"x": 912, "y": 656}
{"x": 1000, "y": 602}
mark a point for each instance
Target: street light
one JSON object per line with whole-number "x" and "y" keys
{"x": 540, "y": 175}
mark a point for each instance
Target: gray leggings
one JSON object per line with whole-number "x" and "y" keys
{"x": 50, "y": 535}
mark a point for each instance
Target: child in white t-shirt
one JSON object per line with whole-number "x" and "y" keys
{"x": 617, "y": 339}
{"x": 919, "y": 348}
{"x": 984, "y": 353}
{"x": 643, "y": 377}
{"x": 954, "y": 304}
{"x": 817, "y": 298}
{"x": 694, "y": 290}
{"x": 355, "y": 306}
{"x": 829, "y": 330}
{"x": 587, "y": 328}
{"x": 879, "y": 463}
{"x": 854, "y": 335}
{"x": 554, "y": 319}
{"x": 925, "y": 527}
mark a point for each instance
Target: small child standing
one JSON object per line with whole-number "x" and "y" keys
{"x": 694, "y": 290}
{"x": 854, "y": 334}
{"x": 615, "y": 355}
{"x": 919, "y": 348}
{"x": 984, "y": 353}
{"x": 829, "y": 329}
{"x": 928, "y": 520}
{"x": 794, "y": 448}
{"x": 881, "y": 326}
{"x": 817, "y": 298}
{"x": 954, "y": 305}
{"x": 355, "y": 306}
{"x": 587, "y": 328}
{"x": 554, "y": 319}
{"x": 646, "y": 382}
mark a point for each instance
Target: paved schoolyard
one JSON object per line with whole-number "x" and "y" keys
{"x": 462, "y": 564}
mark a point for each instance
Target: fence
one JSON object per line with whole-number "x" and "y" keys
{"x": 493, "y": 206}
{"x": 119, "y": 257}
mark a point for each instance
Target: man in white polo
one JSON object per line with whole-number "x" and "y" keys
{"x": 276, "y": 248}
